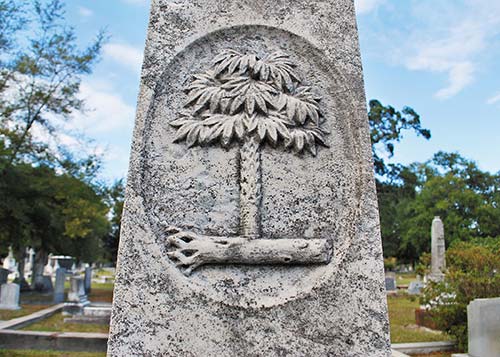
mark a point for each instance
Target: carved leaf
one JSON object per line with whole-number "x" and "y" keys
{"x": 224, "y": 127}
{"x": 243, "y": 95}
{"x": 278, "y": 67}
{"x": 300, "y": 106}
{"x": 254, "y": 94}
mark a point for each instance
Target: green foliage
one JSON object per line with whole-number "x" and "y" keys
{"x": 386, "y": 128}
{"x": 390, "y": 263}
{"x": 473, "y": 272}
{"x": 455, "y": 189}
{"x": 40, "y": 77}
{"x": 116, "y": 198}
{"x": 48, "y": 200}
{"x": 53, "y": 212}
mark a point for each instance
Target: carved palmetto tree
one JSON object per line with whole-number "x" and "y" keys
{"x": 252, "y": 101}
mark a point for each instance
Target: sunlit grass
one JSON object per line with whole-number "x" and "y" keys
{"x": 402, "y": 322}
{"x": 55, "y": 323}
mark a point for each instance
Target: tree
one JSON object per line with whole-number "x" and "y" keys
{"x": 396, "y": 184}
{"x": 250, "y": 100}
{"x": 455, "y": 189}
{"x": 386, "y": 128}
{"x": 51, "y": 212}
{"x": 41, "y": 68}
{"x": 116, "y": 197}
{"x": 40, "y": 78}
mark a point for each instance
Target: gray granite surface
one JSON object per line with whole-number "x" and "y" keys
{"x": 208, "y": 269}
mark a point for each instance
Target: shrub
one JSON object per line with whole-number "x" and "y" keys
{"x": 473, "y": 272}
{"x": 390, "y": 263}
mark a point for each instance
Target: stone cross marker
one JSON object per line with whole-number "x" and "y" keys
{"x": 438, "y": 260}
{"x": 251, "y": 224}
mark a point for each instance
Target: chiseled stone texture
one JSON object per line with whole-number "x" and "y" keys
{"x": 483, "y": 320}
{"x": 335, "y": 309}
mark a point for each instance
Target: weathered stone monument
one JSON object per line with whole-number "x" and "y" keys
{"x": 251, "y": 224}
{"x": 4, "y": 275}
{"x": 59, "y": 285}
{"x": 438, "y": 259}
{"x": 9, "y": 297}
{"x": 483, "y": 322}
{"x": 88, "y": 279}
{"x": 390, "y": 282}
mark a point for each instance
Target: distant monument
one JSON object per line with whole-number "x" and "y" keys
{"x": 251, "y": 223}
{"x": 438, "y": 259}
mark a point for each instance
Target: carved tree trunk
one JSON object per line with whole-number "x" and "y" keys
{"x": 250, "y": 187}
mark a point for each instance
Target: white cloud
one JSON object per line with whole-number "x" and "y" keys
{"x": 441, "y": 36}
{"x": 494, "y": 99}
{"x": 85, "y": 12}
{"x": 125, "y": 55}
{"x": 366, "y": 6}
{"x": 107, "y": 112}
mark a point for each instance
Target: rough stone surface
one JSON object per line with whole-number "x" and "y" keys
{"x": 9, "y": 297}
{"x": 438, "y": 259}
{"x": 483, "y": 322}
{"x": 258, "y": 196}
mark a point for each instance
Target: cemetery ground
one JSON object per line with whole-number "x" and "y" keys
{"x": 401, "y": 316}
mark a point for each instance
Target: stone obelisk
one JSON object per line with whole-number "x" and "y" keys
{"x": 438, "y": 250}
{"x": 251, "y": 224}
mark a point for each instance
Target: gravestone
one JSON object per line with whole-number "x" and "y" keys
{"x": 77, "y": 290}
{"x": 88, "y": 279}
{"x": 4, "y": 275}
{"x": 483, "y": 322}
{"x": 77, "y": 299}
{"x": 415, "y": 287}
{"x": 438, "y": 259}
{"x": 251, "y": 223}
{"x": 390, "y": 282}
{"x": 9, "y": 297}
{"x": 59, "y": 285}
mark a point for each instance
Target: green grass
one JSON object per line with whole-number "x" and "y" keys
{"x": 98, "y": 294}
{"x": 405, "y": 279}
{"x": 28, "y": 353}
{"x": 402, "y": 322}
{"x": 25, "y": 310}
{"x": 55, "y": 323}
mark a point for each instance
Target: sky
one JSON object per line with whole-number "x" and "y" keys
{"x": 439, "y": 57}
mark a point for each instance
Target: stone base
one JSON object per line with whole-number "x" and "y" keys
{"x": 72, "y": 308}
{"x": 10, "y": 307}
{"x": 88, "y": 320}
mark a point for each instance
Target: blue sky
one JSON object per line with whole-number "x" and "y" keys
{"x": 438, "y": 56}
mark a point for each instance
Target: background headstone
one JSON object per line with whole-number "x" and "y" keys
{"x": 415, "y": 287}
{"x": 59, "y": 285}
{"x": 291, "y": 258}
{"x": 77, "y": 290}
{"x": 4, "y": 275}
{"x": 88, "y": 279}
{"x": 483, "y": 322}
{"x": 9, "y": 297}
{"x": 390, "y": 282}
{"x": 438, "y": 259}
